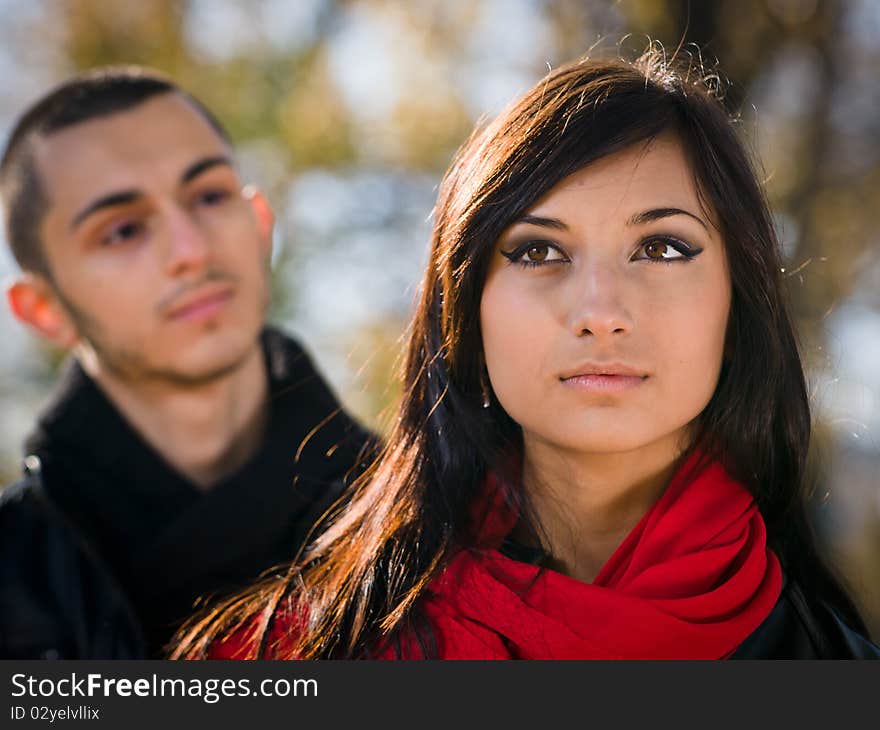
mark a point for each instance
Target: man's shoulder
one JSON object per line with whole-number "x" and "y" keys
{"x": 35, "y": 535}
{"x": 57, "y": 597}
{"x": 28, "y": 512}
{"x": 25, "y": 508}
{"x": 805, "y": 627}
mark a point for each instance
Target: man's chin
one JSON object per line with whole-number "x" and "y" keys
{"x": 189, "y": 361}
{"x": 206, "y": 365}
{"x": 197, "y": 377}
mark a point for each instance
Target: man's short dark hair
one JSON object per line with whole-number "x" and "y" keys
{"x": 95, "y": 93}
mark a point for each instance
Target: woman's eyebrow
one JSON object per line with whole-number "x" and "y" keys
{"x": 655, "y": 214}
{"x": 646, "y": 216}
{"x": 535, "y": 220}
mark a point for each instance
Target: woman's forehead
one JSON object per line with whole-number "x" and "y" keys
{"x": 654, "y": 173}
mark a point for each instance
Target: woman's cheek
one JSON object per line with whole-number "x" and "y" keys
{"x": 515, "y": 331}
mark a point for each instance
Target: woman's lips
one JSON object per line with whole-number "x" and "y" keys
{"x": 604, "y": 383}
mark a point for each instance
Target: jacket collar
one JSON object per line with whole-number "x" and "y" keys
{"x": 80, "y": 419}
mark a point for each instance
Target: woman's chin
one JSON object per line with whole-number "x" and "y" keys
{"x": 619, "y": 437}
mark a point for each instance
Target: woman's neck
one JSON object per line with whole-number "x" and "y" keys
{"x": 587, "y": 503}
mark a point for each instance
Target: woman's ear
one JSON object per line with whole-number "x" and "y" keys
{"x": 263, "y": 212}
{"x": 34, "y": 303}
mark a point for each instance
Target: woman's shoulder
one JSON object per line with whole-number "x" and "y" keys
{"x": 262, "y": 636}
{"x": 801, "y": 627}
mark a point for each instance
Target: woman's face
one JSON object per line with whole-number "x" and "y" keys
{"x": 605, "y": 307}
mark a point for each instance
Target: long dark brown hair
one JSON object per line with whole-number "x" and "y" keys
{"x": 361, "y": 577}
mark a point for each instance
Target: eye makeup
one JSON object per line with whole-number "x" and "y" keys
{"x": 539, "y": 252}
{"x": 685, "y": 252}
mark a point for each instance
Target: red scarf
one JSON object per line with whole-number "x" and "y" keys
{"x": 691, "y": 581}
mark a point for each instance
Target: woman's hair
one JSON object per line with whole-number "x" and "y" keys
{"x": 360, "y": 580}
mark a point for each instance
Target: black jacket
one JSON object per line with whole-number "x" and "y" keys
{"x": 800, "y": 628}
{"x": 105, "y": 548}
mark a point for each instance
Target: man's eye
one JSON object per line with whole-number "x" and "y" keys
{"x": 212, "y": 197}
{"x": 123, "y": 233}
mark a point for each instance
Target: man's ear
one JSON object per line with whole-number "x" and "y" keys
{"x": 33, "y": 302}
{"x": 263, "y": 212}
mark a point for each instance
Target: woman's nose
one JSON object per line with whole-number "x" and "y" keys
{"x": 598, "y": 304}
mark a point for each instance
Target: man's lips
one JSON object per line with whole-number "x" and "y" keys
{"x": 203, "y": 304}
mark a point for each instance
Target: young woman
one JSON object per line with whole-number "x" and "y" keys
{"x": 601, "y": 444}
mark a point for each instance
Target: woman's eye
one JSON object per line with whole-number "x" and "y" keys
{"x": 659, "y": 249}
{"x": 535, "y": 253}
{"x": 538, "y": 253}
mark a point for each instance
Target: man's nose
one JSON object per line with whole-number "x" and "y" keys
{"x": 188, "y": 247}
{"x": 598, "y": 305}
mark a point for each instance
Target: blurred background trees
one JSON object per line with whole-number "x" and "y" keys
{"x": 347, "y": 112}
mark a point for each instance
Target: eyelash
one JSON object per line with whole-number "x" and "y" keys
{"x": 687, "y": 253}
{"x": 114, "y": 236}
{"x": 211, "y": 197}
{"x": 217, "y": 195}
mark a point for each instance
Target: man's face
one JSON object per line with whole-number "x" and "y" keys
{"x": 156, "y": 255}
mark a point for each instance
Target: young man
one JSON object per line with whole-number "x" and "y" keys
{"x": 188, "y": 447}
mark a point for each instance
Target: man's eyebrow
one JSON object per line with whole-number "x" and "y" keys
{"x": 197, "y": 168}
{"x": 655, "y": 214}
{"x": 535, "y": 220}
{"x": 122, "y": 197}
